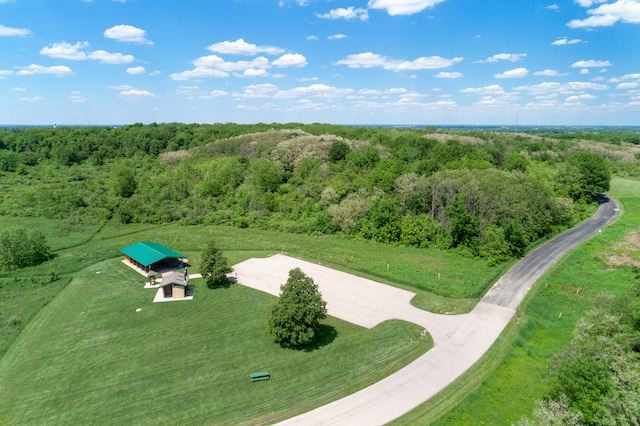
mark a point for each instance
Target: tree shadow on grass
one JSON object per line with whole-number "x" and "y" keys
{"x": 325, "y": 335}
{"x": 222, "y": 283}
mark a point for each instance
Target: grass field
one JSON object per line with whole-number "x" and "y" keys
{"x": 75, "y": 349}
{"x": 89, "y": 357}
{"x": 504, "y": 385}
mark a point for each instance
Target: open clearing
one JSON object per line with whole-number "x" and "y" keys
{"x": 351, "y": 298}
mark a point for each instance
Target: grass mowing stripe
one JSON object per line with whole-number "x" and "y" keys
{"x": 90, "y": 356}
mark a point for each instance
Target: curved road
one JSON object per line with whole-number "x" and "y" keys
{"x": 474, "y": 334}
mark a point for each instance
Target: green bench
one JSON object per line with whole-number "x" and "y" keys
{"x": 263, "y": 375}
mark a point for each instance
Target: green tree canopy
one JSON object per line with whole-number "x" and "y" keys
{"x": 214, "y": 267}
{"x": 296, "y": 317}
{"x": 19, "y": 248}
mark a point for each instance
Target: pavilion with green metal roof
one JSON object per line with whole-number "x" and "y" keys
{"x": 151, "y": 258}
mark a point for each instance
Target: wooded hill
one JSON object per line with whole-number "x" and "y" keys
{"x": 480, "y": 193}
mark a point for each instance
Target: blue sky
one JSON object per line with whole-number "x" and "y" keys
{"x": 335, "y": 61}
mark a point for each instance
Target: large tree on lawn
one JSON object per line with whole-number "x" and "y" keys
{"x": 296, "y": 317}
{"x": 214, "y": 267}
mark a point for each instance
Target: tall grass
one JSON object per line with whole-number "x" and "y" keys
{"x": 504, "y": 385}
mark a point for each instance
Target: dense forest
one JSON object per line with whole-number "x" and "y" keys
{"x": 481, "y": 193}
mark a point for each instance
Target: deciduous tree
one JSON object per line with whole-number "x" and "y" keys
{"x": 214, "y": 267}
{"x": 296, "y": 317}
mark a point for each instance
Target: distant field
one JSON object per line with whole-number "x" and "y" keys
{"x": 89, "y": 357}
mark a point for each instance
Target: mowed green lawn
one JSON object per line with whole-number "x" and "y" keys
{"x": 89, "y": 358}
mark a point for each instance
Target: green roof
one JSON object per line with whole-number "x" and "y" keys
{"x": 149, "y": 253}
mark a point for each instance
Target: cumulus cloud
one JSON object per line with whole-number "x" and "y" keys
{"x": 290, "y": 60}
{"x": 563, "y": 41}
{"x": 128, "y": 34}
{"x": 493, "y": 89}
{"x": 403, "y": 7}
{"x": 371, "y": 60}
{"x": 451, "y": 75}
{"x": 241, "y": 47}
{"x": 336, "y": 37}
{"x": 571, "y": 88}
{"x": 136, "y": 70}
{"x": 628, "y": 85}
{"x": 549, "y": 73}
{"x": 75, "y": 52}
{"x": 4, "y": 73}
{"x": 578, "y": 98}
{"x": 110, "y": 58}
{"x": 214, "y": 94}
{"x": 605, "y": 15}
{"x": 132, "y": 93}
{"x": 553, "y": 7}
{"x": 13, "y": 32}
{"x": 514, "y": 73}
{"x": 57, "y": 70}
{"x": 591, "y": 64}
{"x": 511, "y": 57}
{"x": 345, "y": 13}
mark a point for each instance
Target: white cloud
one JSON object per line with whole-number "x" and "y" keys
{"x": 626, "y": 77}
{"x": 241, "y": 47}
{"x": 4, "y": 73}
{"x": 312, "y": 38}
{"x": 514, "y": 73}
{"x": 13, "y": 32}
{"x": 548, "y": 73}
{"x": 449, "y": 75}
{"x": 75, "y": 52}
{"x": 493, "y": 89}
{"x": 403, "y": 7}
{"x": 553, "y": 7}
{"x": 584, "y": 71}
{"x": 583, "y": 97}
{"x": 346, "y": 13}
{"x": 252, "y": 72}
{"x": 591, "y": 64}
{"x": 336, "y": 37}
{"x": 257, "y": 91}
{"x": 33, "y": 99}
{"x": 371, "y": 60}
{"x": 571, "y": 88}
{"x": 76, "y": 97}
{"x": 18, "y": 89}
{"x": 627, "y": 11}
{"x": 214, "y": 94}
{"x": 290, "y": 60}
{"x": 628, "y": 85}
{"x": 563, "y": 41}
{"x": 57, "y": 70}
{"x": 66, "y": 50}
{"x": 199, "y": 73}
{"x": 511, "y": 57}
{"x": 110, "y": 58}
{"x": 136, "y": 70}
{"x": 589, "y": 3}
{"x": 132, "y": 93}
{"x": 128, "y": 34}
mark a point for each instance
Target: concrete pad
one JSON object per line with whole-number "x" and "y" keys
{"x": 159, "y": 297}
{"x": 351, "y": 298}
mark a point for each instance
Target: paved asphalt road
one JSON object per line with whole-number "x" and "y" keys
{"x": 456, "y": 351}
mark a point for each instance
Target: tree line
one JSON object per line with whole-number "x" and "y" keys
{"x": 479, "y": 193}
